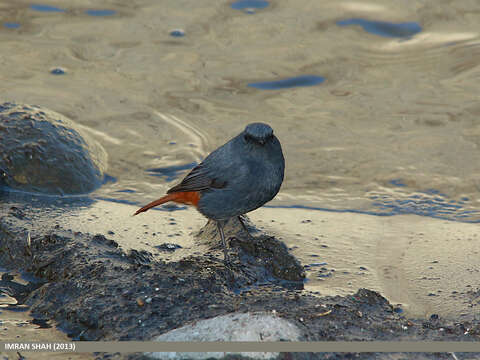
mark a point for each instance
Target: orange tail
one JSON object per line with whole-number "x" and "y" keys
{"x": 187, "y": 197}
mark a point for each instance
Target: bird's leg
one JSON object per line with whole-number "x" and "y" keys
{"x": 220, "y": 225}
{"x": 240, "y": 218}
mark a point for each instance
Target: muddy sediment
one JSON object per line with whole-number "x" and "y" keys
{"x": 95, "y": 290}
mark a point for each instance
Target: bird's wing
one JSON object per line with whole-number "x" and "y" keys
{"x": 198, "y": 179}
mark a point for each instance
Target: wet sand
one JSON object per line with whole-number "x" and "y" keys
{"x": 402, "y": 257}
{"x": 20, "y": 323}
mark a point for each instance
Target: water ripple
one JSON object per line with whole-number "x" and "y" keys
{"x": 171, "y": 173}
{"x": 11, "y": 25}
{"x": 383, "y": 28}
{"x": 198, "y": 139}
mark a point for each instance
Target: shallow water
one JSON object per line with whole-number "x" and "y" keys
{"x": 392, "y": 130}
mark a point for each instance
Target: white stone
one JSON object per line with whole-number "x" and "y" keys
{"x": 230, "y": 327}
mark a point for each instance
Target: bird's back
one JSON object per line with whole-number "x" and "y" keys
{"x": 248, "y": 178}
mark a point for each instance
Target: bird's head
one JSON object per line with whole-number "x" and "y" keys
{"x": 258, "y": 133}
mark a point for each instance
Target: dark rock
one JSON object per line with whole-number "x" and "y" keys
{"x": 262, "y": 253}
{"x": 43, "y": 151}
{"x": 168, "y": 247}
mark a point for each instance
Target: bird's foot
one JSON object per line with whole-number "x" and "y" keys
{"x": 226, "y": 257}
{"x": 234, "y": 238}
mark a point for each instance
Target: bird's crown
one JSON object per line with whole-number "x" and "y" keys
{"x": 258, "y": 131}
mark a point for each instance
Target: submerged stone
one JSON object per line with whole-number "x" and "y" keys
{"x": 43, "y": 151}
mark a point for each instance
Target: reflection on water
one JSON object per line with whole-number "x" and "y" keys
{"x": 383, "y": 28}
{"x": 45, "y": 8}
{"x": 303, "y": 80}
{"x": 10, "y": 25}
{"x": 93, "y": 12}
{"x": 249, "y": 4}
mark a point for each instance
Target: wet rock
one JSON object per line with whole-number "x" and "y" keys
{"x": 58, "y": 71}
{"x": 43, "y": 151}
{"x": 141, "y": 257}
{"x": 261, "y": 251}
{"x": 168, "y": 247}
{"x": 231, "y": 327}
{"x": 18, "y": 213}
{"x": 9, "y": 286}
{"x": 397, "y": 310}
{"x": 102, "y": 239}
{"x": 177, "y": 33}
{"x": 369, "y": 300}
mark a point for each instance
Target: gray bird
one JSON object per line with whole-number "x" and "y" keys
{"x": 238, "y": 177}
